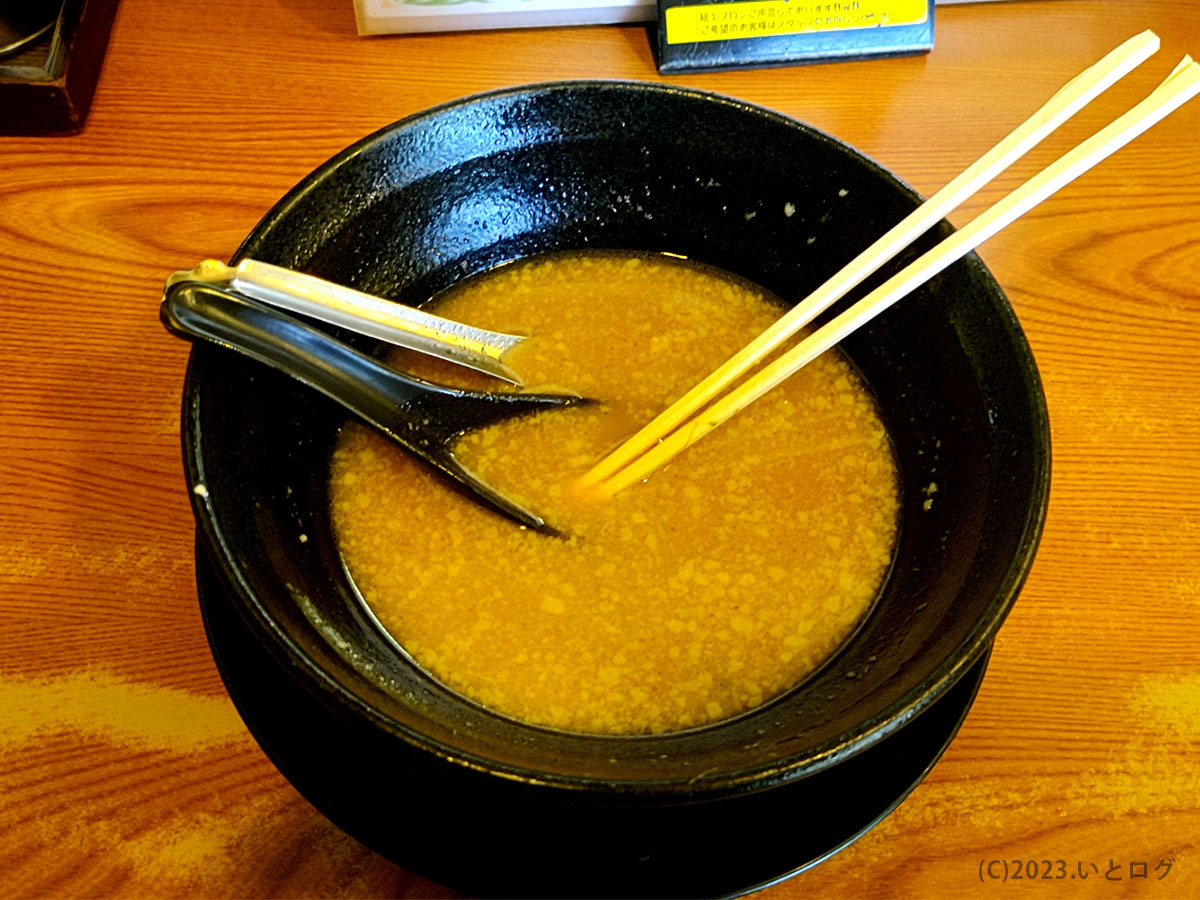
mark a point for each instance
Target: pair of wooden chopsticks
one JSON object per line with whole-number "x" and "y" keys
{"x": 680, "y": 425}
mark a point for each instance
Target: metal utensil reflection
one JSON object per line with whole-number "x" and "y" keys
{"x": 361, "y": 313}
{"x": 426, "y": 418}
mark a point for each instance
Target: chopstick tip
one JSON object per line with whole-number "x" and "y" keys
{"x": 588, "y": 490}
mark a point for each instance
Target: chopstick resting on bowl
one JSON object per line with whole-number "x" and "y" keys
{"x": 336, "y": 304}
{"x": 679, "y": 426}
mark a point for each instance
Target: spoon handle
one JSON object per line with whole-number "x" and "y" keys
{"x": 358, "y": 382}
{"x": 405, "y": 326}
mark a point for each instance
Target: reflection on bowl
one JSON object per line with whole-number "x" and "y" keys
{"x": 465, "y": 187}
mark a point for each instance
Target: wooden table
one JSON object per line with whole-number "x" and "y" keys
{"x": 124, "y": 769}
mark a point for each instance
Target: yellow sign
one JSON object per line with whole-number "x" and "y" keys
{"x": 762, "y": 18}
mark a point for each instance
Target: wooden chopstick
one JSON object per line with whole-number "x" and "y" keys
{"x": 1068, "y": 100}
{"x": 1180, "y": 86}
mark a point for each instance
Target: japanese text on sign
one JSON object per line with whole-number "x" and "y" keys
{"x": 760, "y": 18}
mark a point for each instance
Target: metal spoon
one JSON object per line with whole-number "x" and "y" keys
{"x": 366, "y": 314}
{"x": 425, "y": 418}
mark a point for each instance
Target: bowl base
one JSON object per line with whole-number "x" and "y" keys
{"x": 390, "y": 816}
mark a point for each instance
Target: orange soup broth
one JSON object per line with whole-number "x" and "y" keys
{"x": 721, "y": 581}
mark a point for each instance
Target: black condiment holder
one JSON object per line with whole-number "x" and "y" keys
{"x": 46, "y": 86}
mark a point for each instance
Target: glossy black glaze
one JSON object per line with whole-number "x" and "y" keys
{"x": 464, "y": 187}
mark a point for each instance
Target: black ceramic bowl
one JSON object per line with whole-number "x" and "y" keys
{"x": 464, "y": 187}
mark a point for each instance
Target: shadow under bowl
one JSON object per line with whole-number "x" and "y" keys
{"x": 592, "y": 165}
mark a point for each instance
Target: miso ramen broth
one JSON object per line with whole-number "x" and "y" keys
{"x": 720, "y": 582}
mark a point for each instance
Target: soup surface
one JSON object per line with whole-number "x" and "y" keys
{"x": 721, "y": 581}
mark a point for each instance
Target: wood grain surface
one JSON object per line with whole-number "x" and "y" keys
{"x": 124, "y": 769}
